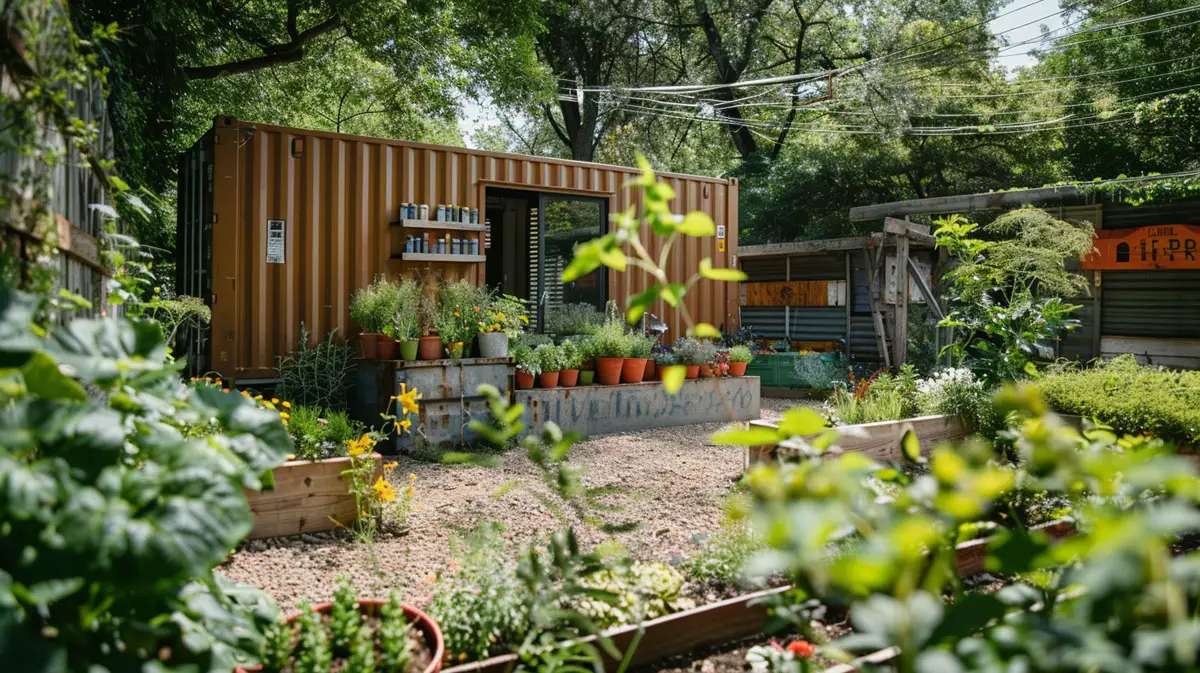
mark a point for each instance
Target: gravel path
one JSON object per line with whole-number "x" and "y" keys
{"x": 673, "y": 482}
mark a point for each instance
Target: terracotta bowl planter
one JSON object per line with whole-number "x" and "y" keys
{"x": 608, "y": 371}
{"x": 524, "y": 380}
{"x": 568, "y": 378}
{"x": 387, "y": 348}
{"x": 408, "y": 349}
{"x": 633, "y": 370}
{"x": 693, "y": 371}
{"x": 587, "y": 377}
{"x": 429, "y": 348}
{"x": 548, "y": 380}
{"x": 737, "y": 368}
{"x": 651, "y": 371}
{"x": 430, "y": 631}
{"x": 707, "y": 371}
{"x": 369, "y": 342}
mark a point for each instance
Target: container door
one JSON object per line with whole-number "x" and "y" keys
{"x": 565, "y": 221}
{"x": 1153, "y": 315}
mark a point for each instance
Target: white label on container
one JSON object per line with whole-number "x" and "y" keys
{"x": 276, "y": 240}
{"x": 720, "y": 231}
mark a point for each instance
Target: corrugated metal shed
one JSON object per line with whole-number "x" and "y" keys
{"x": 817, "y": 323}
{"x": 1164, "y": 304}
{"x": 338, "y": 194}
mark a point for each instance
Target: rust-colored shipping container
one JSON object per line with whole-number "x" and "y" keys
{"x": 278, "y": 226}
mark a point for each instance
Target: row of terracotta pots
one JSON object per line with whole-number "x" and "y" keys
{"x": 383, "y": 347}
{"x": 613, "y": 371}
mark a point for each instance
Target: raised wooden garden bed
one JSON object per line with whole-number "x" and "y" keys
{"x": 880, "y": 441}
{"x": 307, "y": 497}
{"x": 730, "y": 620}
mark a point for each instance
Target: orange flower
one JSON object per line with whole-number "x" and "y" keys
{"x": 801, "y": 648}
{"x": 477, "y": 309}
{"x": 456, "y": 315}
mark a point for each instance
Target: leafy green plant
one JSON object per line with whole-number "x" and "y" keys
{"x": 549, "y": 358}
{"x": 689, "y": 352}
{"x": 185, "y": 313}
{"x": 722, "y": 560}
{"x": 572, "y": 355}
{"x": 316, "y": 376}
{"x": 573, "y": 319}
{"x": 665, "y": 359}
{"x": 868, "y": 400}
{"x": 956, "y": 392}
{"x": 643, "y": 591}
{"x": 527, "y": 359}
{"x": 740, "y": 354}
{"x": 530, "y": 340}
{"x": 820, "y": 371}
{"x": 641, "y": 345}
{"x": 113, "y": 521}
{"x": 1129, "y": 397}
{"x": 609, "y": 341}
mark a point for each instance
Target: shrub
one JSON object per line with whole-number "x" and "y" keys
{"x": 1132, "y": 398}
{"x": 526, "y": 359}
{"x": 819, "y": 371}
{"x": 643, "y": 591}
{"x": 641, "y": 345}
{"x": 320, "y": 434}
{"x": 740, "y": 354}
{"x": 956, "y": 392}
{"x": 609, "y": 341}
{"x": 871, "y": 400}
{"x": 572, "y": 355}
{"x": 318, "y": 376}
{"x": 480, "y": 607}
{"x": 721, "y": 561}
{"x": 573, "y": 319}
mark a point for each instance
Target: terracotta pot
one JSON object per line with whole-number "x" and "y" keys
{"x": 651, "y": 371}
{"x": 387, "y": 348}
{"x": 369, "y": 341}
{"x": 693, "y": 371}
{"x": 568, "y": 378}
{"x": 608, "y": 371}
{"x": 493, "y": 345}
{"x": 429, "y": 348}
{"x": 429, "y": 628}
{"x": 548, "y": 380}
{"x": 454, "y": 351}
{"x": 707, "y": 371}
{"x": 408, "y": 349}
{"x": 587, "y": 377}
{"x": 524, "y": 380}
{"x": 633, "y": 370}
{"x": 737, "y": 368}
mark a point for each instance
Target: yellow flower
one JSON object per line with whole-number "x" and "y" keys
{"x": 258, "y": 398}
{"x": 405, "y": 425}
{"x": 390, "y": 466}
{"x": 412, "y": 477}
{"x": 287, "y": 405}
{"x": 285, "y": 415}
{"x": 245, "y": 393}
{"x": 274, "y": 400}
{"x": 499, "y": 316}
{"x": 291, "y": 456}
{"x": 410, "y": 492}
{"x": 525, "y": 320}
{"x": 408, "y": 399}
{"x": 384, "y": 490}
{"x": 359, "y": 446}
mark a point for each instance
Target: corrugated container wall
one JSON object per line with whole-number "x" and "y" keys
{"x": 337, "y": 195}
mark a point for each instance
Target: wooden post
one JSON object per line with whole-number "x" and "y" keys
{"x": 787, "y": 310}
{"x": 876, "y": 311}
{"x": 849, "y": 304}
{"x": 900, "y": 335}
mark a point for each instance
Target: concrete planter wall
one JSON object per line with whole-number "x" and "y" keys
{"x": 880, "y": 441}
{"x": 597, "y": 410}
{"x": 306, "y": 494}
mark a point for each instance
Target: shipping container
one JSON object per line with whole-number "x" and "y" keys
{"x": 278, "y": 226}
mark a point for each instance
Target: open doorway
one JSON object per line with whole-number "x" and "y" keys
{"x": 533, "y": 238}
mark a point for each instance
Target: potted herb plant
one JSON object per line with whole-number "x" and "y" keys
{"x": 739, "y": 359}
{"x": 720, "y": 362}
{"x": 406, "y": 320}
{"x": 688, "y": 353}
{"x": 502, "y": 320}
{"x": 610, "y": 348}
{"x": 662, "y": 359}
{"x": 572, "y": 358}
{"x": 587, "y": 365}
{"x": 707, "y": 353}
{"x": 549, "y": 359}
{"x": 365, "y": 310}
{"x": 527, "y": 366}
{"x": 633, "y": 370}
{"x": 429, "y": 345}
{"x": 354, "y": 634}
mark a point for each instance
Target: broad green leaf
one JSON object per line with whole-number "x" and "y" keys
{"x": 707, "y": 270}
{"x": 704, "y": 330}
{"x": 910, "y": 446}
{"x": 641, "y": 303}
{"x": 801, "y": 422}
{"x": 673, "y": 378}
{"x": 673, "y": 293}
{"x": 17, "y": 340}
{"x": 753, "y": 436}
{"x": 44, "y": 379}
{"x": 696, "y": 223}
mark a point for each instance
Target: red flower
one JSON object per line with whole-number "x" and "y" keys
{"x": 801, "y": 648}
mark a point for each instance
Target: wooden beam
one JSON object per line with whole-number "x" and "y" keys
{"x": 802, "y": 247}
{"x": 900, "y": 335}
{"x": 876, "y": 311}
{"x": 925, "y": 291}
{"x": 961, "y": 204}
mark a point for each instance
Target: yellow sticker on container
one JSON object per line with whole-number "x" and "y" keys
{"x": 720, "y": 245}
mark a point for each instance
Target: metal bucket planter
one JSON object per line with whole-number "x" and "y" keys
{"x": 493, "y": 345}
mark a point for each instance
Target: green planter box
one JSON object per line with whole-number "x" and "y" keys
{"x": 775, "y": 369}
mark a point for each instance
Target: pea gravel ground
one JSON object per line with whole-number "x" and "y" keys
{"x": 673, "y": 482}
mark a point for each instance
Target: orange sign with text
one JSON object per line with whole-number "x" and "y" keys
{"x": 1162, "y": 246}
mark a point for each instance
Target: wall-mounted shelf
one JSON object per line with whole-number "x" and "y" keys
{"x": 429, "y": 224}
{"x": 439, "y": 257}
